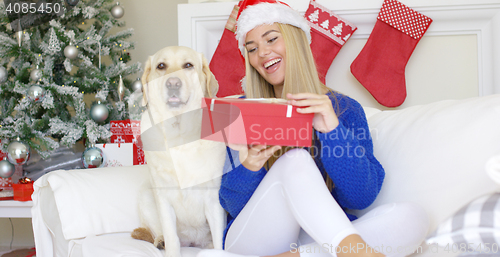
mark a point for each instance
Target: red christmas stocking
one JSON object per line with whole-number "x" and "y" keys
{"x": 380, "y": 67}
{"x": 329, "y": 33}
{"x": 227, "y": 64}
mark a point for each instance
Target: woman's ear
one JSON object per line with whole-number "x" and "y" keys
{"x": 144, "y": 80}
{"x": 211, "y": 83}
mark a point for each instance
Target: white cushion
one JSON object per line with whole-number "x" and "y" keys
{"x": 370, "y": 111}
{"x": 120, "y": 245}
{"x": 435, "y": 154}
{"x": 493, "y": 168}
{"x": 98, "y": 201}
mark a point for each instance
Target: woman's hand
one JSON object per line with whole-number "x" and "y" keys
{"x": 254, "y": 157}
{"x": 325, "y": 119}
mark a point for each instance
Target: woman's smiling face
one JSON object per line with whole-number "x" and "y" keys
{"x": 267, "y": 53}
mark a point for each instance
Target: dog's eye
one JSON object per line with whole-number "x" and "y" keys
{"x": 188, "y": 65}
{"x": 161, "y": 66}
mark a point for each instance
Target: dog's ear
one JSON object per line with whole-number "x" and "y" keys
{"x": 211, "y": 83}
{"x": 144, "y": 80}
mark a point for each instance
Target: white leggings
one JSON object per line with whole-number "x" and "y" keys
{"x": 292, "y": 207}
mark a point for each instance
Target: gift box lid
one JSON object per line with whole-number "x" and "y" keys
{"x": 254, "y": 107}
{"x": 255, "y": 121}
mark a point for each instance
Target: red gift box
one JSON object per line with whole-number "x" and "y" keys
{"x": 23, "y": 192}
{"x": 255, "y": 121}
{"x": 129, "y": 131}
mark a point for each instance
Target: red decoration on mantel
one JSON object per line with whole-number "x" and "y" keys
{"x": 129, "y": 131}
{"x": 380, "y": 67}
{"x": 406, "y": 20}
{"x": 227, "y": 64}
{"x": 329, "y": 32}
{"x": 23, "y": 190}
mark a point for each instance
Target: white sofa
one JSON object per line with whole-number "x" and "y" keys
{"x": 434, "y": 155}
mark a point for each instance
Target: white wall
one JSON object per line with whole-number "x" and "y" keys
{"x": 441, "y": 67}
{"x": 23, "y": 233}
{"x": 154, "y": 23}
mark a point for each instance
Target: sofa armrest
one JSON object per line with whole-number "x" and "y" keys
{"x": 45, "y": 225}
{"x": 74, "y": 204}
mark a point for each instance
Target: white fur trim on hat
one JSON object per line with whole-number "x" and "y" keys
{"x": 268, "y": 13}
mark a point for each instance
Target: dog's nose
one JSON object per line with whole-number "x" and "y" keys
{"x": 174, "y": 83}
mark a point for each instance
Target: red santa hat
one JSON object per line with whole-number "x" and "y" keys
{"x": 253, "y": 13}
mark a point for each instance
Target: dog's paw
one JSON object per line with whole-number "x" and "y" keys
{"x": 159, "y": 243}
{"x": 142, "y": 234}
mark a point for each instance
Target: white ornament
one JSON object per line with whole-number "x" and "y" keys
{"x": 70, "y": 51}
{"x": 117, "y": 11}
{"x": 99, "y": 112}
{"x": 3, "y": 74}
{"x": 7, "y": 169}
{"x": 36, "y": 74}
{"x": 137, "y": 85}
{"x": 54, "y": 44}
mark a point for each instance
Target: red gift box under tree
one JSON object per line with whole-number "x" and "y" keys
{"x": 129, "y": 131}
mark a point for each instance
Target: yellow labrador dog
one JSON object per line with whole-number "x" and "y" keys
{"x": 181, "y": 207}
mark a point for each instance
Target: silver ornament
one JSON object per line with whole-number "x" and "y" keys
{"x": 72, "y": 2}
{"x": 71, "y": 51}
{"x": 117, "y": 11}
{"x": 7, "y": 169}
{"x": 121, "y": 89}
{"x": 3, "y": 74}
{"x": 36, "y": 74}
{"x": 99, "y": 112}
{"x": 137, "y": 85}
{"x": 18, "y": 153}
{"x": 19, "y": 36}
{"x": 93, "y": 157}
{"x": 35, "y": 93}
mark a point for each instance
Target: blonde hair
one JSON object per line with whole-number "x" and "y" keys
{"x": 301, "y": 76}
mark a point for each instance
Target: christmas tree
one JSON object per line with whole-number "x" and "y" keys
{"x": 50, "y": 61}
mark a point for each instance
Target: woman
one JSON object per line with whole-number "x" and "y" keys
{"x": 277, "y": 199}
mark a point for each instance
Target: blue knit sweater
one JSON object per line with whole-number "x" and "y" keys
{"x": 347, "y": 157}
